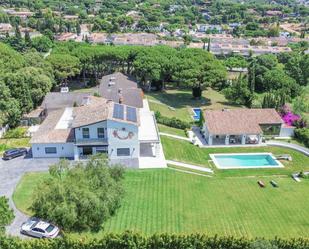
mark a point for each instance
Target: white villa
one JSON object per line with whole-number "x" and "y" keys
{"x": 78, "y": 125}
{"x": 242, "y": 126}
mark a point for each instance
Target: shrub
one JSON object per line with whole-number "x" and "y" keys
{"x": 6, "y": 214}
{"x": 302, "y": 135}
{"x": 19, "y": 132}
{"x": 172, "y": 122}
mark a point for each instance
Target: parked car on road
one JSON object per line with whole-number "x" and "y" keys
{"x": 39, "y": 229}
{"x": 12, "y": 153}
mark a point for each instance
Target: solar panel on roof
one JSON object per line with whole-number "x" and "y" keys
{"x": 118, "y": 111}
{"x": 131, "y": 114}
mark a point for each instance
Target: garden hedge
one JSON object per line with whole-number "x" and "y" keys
{"x": 130, "y": 240}
{"x": 302, "y": 135}
{"x": 172, "y": 122}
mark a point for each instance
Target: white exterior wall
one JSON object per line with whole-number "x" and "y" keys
{"x": 114, "y": 142}
{"x": 287, "y": 132}
{"x": 3, "y": 130}
{"x": 208, "y": 136}
{"x": 93, "y": 130}
{"x": 63, "y": 150}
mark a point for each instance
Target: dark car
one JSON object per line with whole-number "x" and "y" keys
{"x": 12, "y": 153}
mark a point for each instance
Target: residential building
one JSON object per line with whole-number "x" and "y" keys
{"x": 242, "y": 126}
{"x": 246, "y": 50}
{"x": 118, "y": 124}
{"x": 5, "y": 27}
{"x": 209, "y": 27}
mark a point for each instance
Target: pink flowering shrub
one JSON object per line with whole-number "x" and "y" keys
{"x": 289, "y": 118}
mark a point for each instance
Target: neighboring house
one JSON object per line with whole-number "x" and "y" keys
{"x": 78, "y": 125}
{"x": 5, "y": 27}
{"x": 246, "y": 50}
{"x": 242, "y": 126}
{"x": 3, "y": 130}
{"x": 208, "y": 27}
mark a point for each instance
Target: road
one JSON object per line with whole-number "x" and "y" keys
{"x": 10, "y": 174}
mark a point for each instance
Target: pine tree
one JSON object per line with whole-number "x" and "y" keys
{"x": 28, "y": 39}
{"x": 17, "y": 32}
{"x": 78, "y": 29}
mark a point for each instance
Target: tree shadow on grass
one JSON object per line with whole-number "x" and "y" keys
{"x": 180, "y": 99}
{"x": 229, "y": 104}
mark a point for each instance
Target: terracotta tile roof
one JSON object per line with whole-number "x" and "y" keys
{"x": 97, "y": 110}
{"x": 58, "y": 127}
{"x": 239, "y": 121}
{"x": 47, "y": 132}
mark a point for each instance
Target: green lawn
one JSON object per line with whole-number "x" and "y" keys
{"x": 25, "y": 190}
{"x": 171, "y": 130}
{"x": 158, "y": 201}
{"x": 179, "y": 103}
{"x": 10, "y": 143}
{"x": 184, "y": 151}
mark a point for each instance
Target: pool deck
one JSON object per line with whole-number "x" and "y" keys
{"x": 217, "y": 164}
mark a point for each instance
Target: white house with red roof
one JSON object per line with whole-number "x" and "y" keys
{"x": 242, "y": 126}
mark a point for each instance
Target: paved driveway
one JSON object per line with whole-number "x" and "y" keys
{"x": 10, "y": 174}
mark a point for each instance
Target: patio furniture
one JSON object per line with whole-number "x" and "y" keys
{"x": 284, "y": 157}
{"x": 261, "y": 184}
{"x": 274, "y": 184}
{"x": 296, "y": 177}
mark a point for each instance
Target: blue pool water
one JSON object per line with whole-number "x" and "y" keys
{"x": 197, "y": 113}
{"x": 245, "y": 161}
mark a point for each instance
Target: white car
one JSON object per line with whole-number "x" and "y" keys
{"x": 40, "y": 229}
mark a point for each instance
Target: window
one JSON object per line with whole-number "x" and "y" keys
{"x": 100, "y": 132}
{"x": 50, "y": 150}
{"x": 102, "y": 149}
{"x": 38, "y": 230}
{"x": 86, "y": 133}
{"x": 123, "y": 152}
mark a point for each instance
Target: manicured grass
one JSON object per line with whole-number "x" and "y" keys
{"x": 179, "y": 103}
{"x": 25, "y": 190}
{"x": 10, "y": 143}
{"x": 183, "y": 151}
{"x": 171, "y": 130}
{"x": 158, "y": 201}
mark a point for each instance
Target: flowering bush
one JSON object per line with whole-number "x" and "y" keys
{"x": 290, "y": 118}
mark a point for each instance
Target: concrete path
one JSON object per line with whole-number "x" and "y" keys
{"x": 296, "y": 147}
{"x": 175, "y": 136}
{"x": 189, "y": 166}
{"x": 10, "y": 174}
{"x": 196, "y": 136}
{"x": 189, "y": 172}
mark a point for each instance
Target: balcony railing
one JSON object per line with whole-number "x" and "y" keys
{"x": 91, "y": 141}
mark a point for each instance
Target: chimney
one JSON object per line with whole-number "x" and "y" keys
{"x": 86, "y": 100}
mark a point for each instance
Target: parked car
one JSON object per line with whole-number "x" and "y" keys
{"x": 39, "y": 229}
{"x": 12, "y": 153}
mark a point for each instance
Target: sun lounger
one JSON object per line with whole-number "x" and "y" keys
{"x": 284, "y": 157}
{"x": 296, "y": 178}
{"x": 261, "y": 184}
{"x": 274, "y": 184}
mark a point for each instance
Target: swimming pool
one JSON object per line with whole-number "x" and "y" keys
{"x": 197, "y": 113}
{"x": 245, "y": 160}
